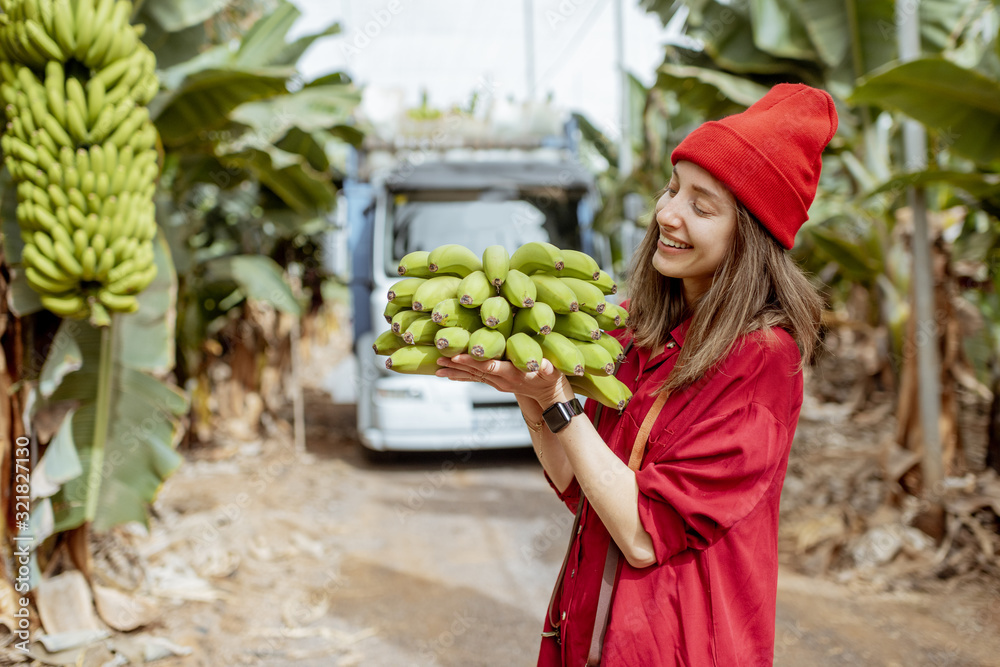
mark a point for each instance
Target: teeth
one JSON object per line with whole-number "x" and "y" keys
{"x": 672, "y": 244}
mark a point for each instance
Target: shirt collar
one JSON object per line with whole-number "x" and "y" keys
{"x": 680, "y": 331}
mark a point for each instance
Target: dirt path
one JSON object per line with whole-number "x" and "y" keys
{"x": 445, "y": 560}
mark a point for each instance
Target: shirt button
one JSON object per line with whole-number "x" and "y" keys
{"x": 579, "y": 529}
{"x": 671, "y": 345}
{"x": 563, "y": 616}
{"x": 572, "y": 573}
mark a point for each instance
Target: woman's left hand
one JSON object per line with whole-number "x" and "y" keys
{"x": 546, "y": 385}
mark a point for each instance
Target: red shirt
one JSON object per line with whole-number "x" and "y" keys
{"x": 708, "y": 497}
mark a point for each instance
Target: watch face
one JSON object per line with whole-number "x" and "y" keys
{"x": 557, "y": 417}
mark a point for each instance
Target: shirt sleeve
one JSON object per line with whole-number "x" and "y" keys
{"x": 709, "y": 479}
{"x": 570, "y": 495}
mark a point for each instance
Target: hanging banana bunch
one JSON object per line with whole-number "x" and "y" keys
{"x": 75, "y": 79}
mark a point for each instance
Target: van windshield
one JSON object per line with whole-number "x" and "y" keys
{"x": 476, "y": 224}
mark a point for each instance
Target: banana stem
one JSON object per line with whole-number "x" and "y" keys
{"x": 102, "y": 418}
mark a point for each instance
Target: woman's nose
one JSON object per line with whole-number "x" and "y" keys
{"x": 666, "y": 216}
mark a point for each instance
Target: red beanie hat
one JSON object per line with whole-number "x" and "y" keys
{"x": 769, "y": 156}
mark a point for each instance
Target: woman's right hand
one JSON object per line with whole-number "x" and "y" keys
{"x": 545, "y": 386}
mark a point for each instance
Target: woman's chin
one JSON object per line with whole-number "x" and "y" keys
{"x": 663, "y": 267}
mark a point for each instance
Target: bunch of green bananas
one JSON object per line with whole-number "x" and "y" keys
{"x": 75, "y": 79}
{"x": 539, "y": 303}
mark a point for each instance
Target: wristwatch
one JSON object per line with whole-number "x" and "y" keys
{"x": 557, "y": 415}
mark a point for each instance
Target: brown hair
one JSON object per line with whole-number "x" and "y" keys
{"x": 757, "y": 286}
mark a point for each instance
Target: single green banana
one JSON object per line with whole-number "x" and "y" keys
{"x": 55, "y": 89}
{"x": 98, "y": 243}
{"x": 474, "y": 289}
{"x": 452, "y": 341}
{"x": 552, "y": 291}
{"x": 401, "y": 292}
{"x": 62, "y": 21}
{"x": 415, "y": 360}
{"x": 60, "y": 235}
{"x": 414, "y": 265}
{"x": 57, "y": 133}
{"x": 42, "y": 241}
{"x": 67, "y": 262}
{"x": 402, "y": 320}
{"x": 578, "y": 325}
{"x": 609, "y": 320}
{"x": 387, "y": 342}
{"x": 606, "y": 283}
{"x": 519, "y": 289}
{"x": 621, "y": 312}
{"x": 33, "y": 257}
{"x": 596, "y": 359}
{"x": 105, "y": 262}
{"x": 539, "y": 319}
{"x": 42, "y": 284}
{"x": 588, "y": 295}
{"x": 451, "y": 313}
{"x": 84, "y": 28}
{"x": 121, "y": 303}
{"x": 76, "y": 111}
{"x": 579, "y": 265}
{"x": 487, "y": 344}
{"x": 65, "y": 305}
{"x": 80, "y": 242}
{"x": 42, "y": 42}
{"x": 611, "y": 344}
{"x": 435, "y": 290}
{"x": 88, "y": 184}
{"x": 45, "y": 140}
{"x": 524, "y": 352}
{"x": 453, "y": 259}
{"x": 605, "y": 389}
{"x": 537, "y": 256}
{"x": 88, "y": 264}
{"x": 562, "y": 353}
{"x": 103, "y": 37}
{"x": 496, "y": 264}
{"x": 421, "y": 332}
{"x": 391, "y": 308}
{"x": 495, "y": 311}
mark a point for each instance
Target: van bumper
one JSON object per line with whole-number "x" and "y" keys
{"x": 426, "y": 413}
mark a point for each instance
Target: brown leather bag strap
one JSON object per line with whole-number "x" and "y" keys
{"x": 614, "y": 553}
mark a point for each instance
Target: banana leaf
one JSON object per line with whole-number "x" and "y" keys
{"x": 865, "y": 30}
{"x": 778, "y": 31}
{"x": 963, "y": 105}
{"x": 205, "y": 99}
{"x": 856, "y": 263}
{"x": 713, "y": 92}
{"x": 174, "y": 15}
{"x": 292, "y": 180}
{"x": 258, "y": 277}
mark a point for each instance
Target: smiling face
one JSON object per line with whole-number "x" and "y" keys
{"x": 696, "y": 217}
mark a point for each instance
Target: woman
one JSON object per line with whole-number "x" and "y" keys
{"x": 720, "y": 321}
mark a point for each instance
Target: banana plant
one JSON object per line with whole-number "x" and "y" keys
{"x": 253, "y": 185}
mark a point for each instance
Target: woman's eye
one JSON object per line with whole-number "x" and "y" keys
{"x": 671, "y": 191}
